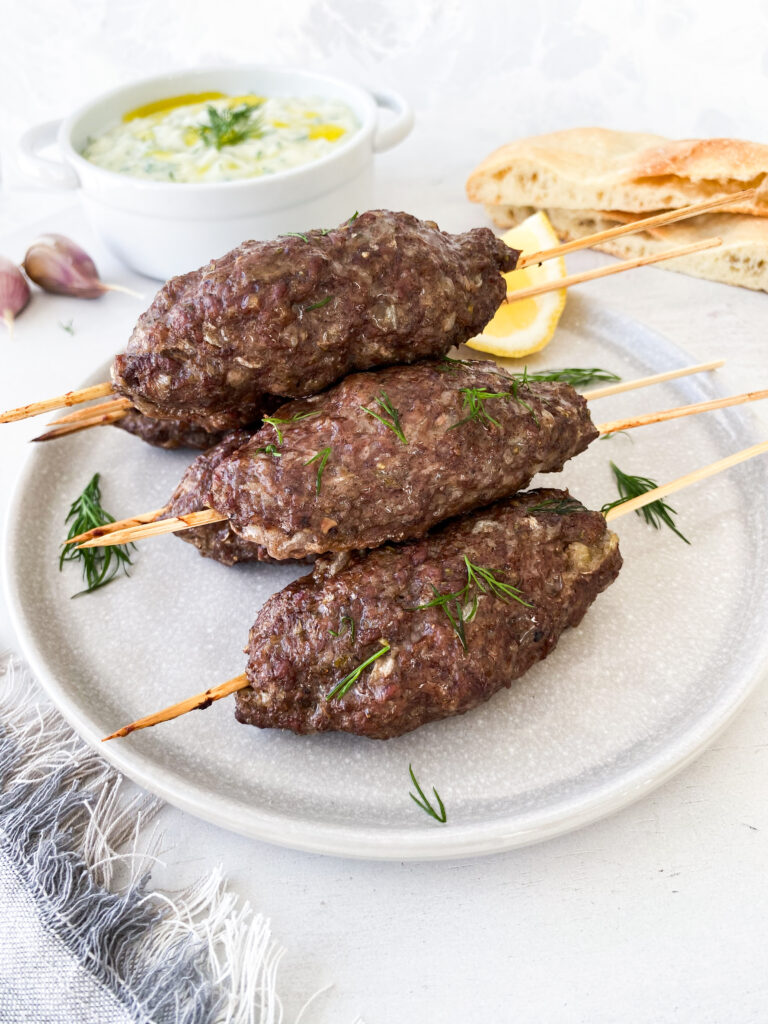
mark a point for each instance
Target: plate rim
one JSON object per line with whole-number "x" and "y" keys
{"x": 423, "y": 844}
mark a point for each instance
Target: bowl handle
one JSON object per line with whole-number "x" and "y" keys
{"x": 53, "y": 173}
{"x": 391, "y": 134}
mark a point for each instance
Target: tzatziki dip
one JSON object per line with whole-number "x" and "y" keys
{"x": 210, "y": 137}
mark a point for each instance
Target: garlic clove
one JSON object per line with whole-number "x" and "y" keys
{"x": 59, "y": 265}
{"x": 14, "y": 292}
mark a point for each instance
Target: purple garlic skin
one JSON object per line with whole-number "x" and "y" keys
{"x": 58, "y": 265}
{"x": 14, "y": 291}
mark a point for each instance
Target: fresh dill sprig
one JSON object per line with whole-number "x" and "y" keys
{"x": 656, "y": 513}
{"x": 318, "y": 305}
{"x": 449, "y": 365}
{"x": 560, "y": 506}
{"x": 523, "y": 382}
{"x": 228, "y": 127}
{"x": 474, "y": 400}
{"x": 322, "y": 455}
{"x": 278, "y": 421}
{"x": 424, "y": 803}
{"x": 68, "y": 326}
{"x": 100, "y": 565}
{"x": 269, "y": 449}
{"x": 576, "y": 376}
{"x": 454, "y": 604}
{"x": 353, "y": 218}
{"x": 386, "y": 407}
{"x": 294, "y": 234}
{"x": 342, "y": 627}
{"x": 615, "y": 433}
{"x": 346, "y": 684}
{"x": 486, "y": 582}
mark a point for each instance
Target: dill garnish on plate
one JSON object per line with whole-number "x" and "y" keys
{"x": 657, "y": 514}
{"x": 423, "y": 802}
{"x": 99, "y": 565}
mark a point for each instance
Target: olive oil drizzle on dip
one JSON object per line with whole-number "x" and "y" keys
{"x": 207, "y": 137}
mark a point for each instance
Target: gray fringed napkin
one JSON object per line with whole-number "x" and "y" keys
{"x": 76, "y": 944}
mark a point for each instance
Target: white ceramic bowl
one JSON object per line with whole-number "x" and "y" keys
{"x": 163, "y": 228}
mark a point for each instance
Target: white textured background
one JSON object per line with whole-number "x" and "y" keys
{"x": 658, "y": 914}
{"x": 505, "y": 67}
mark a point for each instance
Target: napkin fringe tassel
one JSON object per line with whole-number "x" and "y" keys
{"x": 84, "y": 850}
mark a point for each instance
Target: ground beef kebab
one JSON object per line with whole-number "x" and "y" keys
{"x": 380, "y": 643}
{"x": 292, "y": 315}
{"x": 381, "y": 456}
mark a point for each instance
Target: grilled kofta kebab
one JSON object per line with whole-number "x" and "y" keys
{"x": 381, "y": 643}
{"x": 292, "y": 315}
{"x": 388, "y": 454}
{"x": 378, "y": 644}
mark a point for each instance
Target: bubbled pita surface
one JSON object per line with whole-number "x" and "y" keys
{"x": 662, "y": 659}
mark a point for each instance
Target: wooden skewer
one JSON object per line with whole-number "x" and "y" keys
{"x": 60, "y": 402}
{"x": 207, "y": 697}
{"x": 122, "y": 524}
{"x": 112, "y": 405}
{"x": 99, "y": 420}
{"x": 196, "y": 703}
{"x": 683, "y": 481}
{"x": 612, "y": 268}
{"x": 644, "y": 224}
{"x": 174, "y": 524}
{"x": 151, "y": 529}
{"x": 681, "y": 410}
{"x": 644, "y": 382}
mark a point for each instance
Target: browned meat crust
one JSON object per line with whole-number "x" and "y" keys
{"x": 375, "y": 488}
{"x": 291, "y": 316}
{"x": 167, "y": 433}
{"x": 217, "y": 541}
{"x": 559, "y": 563}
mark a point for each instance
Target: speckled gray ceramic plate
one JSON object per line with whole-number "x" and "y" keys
{"x": 662, "y": 661}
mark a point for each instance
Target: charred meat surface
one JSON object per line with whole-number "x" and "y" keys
{"x": 389, "y": 454}
{"x": 558, "y": 563}
{"x": 167, "y": 433}
{"x": 218, "y": 540}
{"x": 292, "y": 315}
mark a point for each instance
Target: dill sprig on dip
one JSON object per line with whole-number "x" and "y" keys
{"x": 423, "y": 802}
{"x": 454, "y": 604}
{"x": 393, "y": 423}
{"x": 228, "y": 127}
{"x": 100, "y": 565}
{"x": 656, "y": 514}
{"x": 349, "y": 680}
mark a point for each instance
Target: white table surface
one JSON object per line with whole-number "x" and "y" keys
{"x": 658, "y": 913}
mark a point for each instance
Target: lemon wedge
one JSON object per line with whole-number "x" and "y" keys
{"x": 520, "y": 328}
